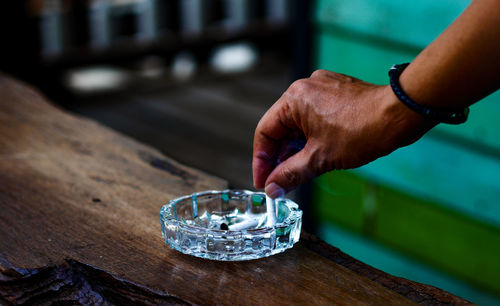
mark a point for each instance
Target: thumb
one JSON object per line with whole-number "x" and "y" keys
{"x": 290, "y": 174}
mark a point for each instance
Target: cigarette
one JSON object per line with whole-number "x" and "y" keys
{"x": 244, "y": 225}
{"x": 270, "y": 211}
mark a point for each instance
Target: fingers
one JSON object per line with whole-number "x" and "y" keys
{"x": 291, "y": 173}
{"x": 289, "y": 147}
{"x": 275, "y": 125}
{"x": 262, "y": 164}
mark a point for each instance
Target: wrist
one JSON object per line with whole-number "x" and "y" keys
{"x": 455, "y": 116}
{"x": 407, "y": 124}
{"x": 395, "y": 109}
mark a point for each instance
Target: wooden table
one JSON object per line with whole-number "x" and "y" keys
{"x": 79, "y": 222}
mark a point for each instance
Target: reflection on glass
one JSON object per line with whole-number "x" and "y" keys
{"x": 229, "y": 225}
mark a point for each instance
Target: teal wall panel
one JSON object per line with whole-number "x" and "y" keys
{"x": 443, "y": 192}
{"x": 415, "y": 23}
{"x": 443, "y": 173}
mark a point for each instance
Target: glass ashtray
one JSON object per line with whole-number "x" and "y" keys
{"x": 230, "y": 225}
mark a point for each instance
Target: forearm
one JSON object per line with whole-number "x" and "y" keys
{"x": 462, "y": 65}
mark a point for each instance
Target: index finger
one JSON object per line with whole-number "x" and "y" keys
{"x": 276, "y": 124}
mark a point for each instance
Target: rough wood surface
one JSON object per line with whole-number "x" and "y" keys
{"x": 79, "y": 222}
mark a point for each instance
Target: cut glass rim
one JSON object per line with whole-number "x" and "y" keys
{"x": 295, "y": 212}
{"x": 281, "y": 235}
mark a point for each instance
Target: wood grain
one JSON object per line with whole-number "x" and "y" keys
{"x": 79, "y": 222}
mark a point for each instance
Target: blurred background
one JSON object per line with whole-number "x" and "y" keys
{"x": 193, "y": 77}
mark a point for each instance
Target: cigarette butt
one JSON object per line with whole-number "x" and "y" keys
{"x": 244, "y": 225}
{"x": 270, "y": 211}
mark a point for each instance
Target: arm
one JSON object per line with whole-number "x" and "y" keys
{"x": 347, "y": 122}
{"x": 462, "y": 65}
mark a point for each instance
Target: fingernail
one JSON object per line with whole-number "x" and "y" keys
{"x": 274, "y": 191}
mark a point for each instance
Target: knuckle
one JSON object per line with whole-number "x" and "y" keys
{"x": 320, "y": 161}
{"x": 336, "y": 160}
{"x": 320, "y": 73}
{"x": 291, "y": 176}
{"x": 299, "y": 86}
{"x": 322, "y": 165}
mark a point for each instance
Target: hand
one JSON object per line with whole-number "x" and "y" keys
{"x": 344, "y": 123}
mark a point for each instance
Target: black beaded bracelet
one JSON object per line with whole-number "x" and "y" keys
{"x": 451, "y": 117}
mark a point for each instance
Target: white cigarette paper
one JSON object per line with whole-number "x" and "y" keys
{"x": 246, "y": 224}
{"x": 270, "y": 211}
